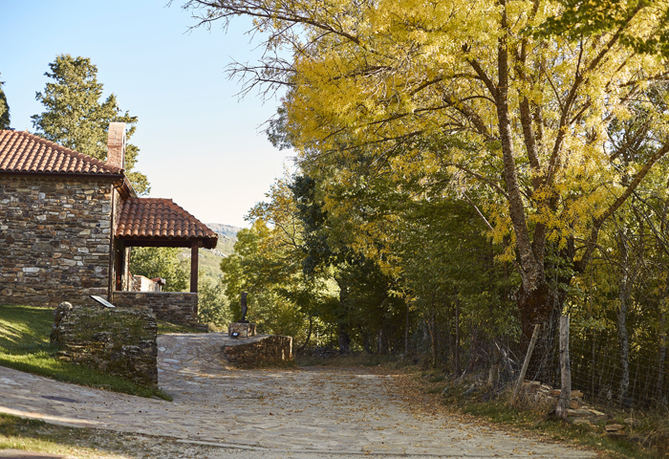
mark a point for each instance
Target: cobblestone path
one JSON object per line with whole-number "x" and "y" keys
{"x": 266, "y": 413}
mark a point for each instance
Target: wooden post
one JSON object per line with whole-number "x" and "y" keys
{"x": 526, "y": 363}
{"x": 119, "y": 265}
{"x": 457, "y": 337}
{"x": 193, "y": 267}
{"x": 127, "y": 281}
{"x": 406, "y": 331}
{"x": 565, "y": 369}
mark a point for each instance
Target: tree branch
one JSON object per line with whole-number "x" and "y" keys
{"x": 590, "y": 243}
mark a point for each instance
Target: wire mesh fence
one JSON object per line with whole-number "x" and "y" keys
{"x": 598, "y": 369}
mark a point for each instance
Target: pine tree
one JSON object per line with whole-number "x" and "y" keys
{"x": 4, "y": 109}
{"x": 76, "y": 118}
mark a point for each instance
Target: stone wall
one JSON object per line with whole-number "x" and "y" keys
{"x": 175, "y": 307}
{"x": 117, "y": 341}
{"x": 261, "y": 351}
{"x": 55, "y": 237}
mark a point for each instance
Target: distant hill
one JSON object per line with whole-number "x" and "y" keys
{"x": 224, "y": 230}
{"x": 227, "y": 238}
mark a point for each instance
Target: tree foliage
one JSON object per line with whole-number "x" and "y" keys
{"x": 76, "y": 117}
{"x": 469, "y": 169}
{"x": 160, "y": 262}
{"x": 4, "y": 109}
{"x": 212, "y": 304}
{"x": 258, "y": 267}
{"x": 582, "y": 18}
{"x": 388, "y": 80}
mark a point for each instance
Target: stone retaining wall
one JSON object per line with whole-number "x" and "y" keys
{"x": 261, "y": 351}
{"x": 55, "y": 237}
{"x": 117, "y": 341}
{"x": 175, "y": 307}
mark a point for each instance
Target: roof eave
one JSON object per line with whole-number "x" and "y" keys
{"x": 126, "y": 189}
{"x": 65, "y": 174}
{"x": 206, "y": 242}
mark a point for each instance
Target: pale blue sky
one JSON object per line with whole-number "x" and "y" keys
{"x": 200, "y": 144}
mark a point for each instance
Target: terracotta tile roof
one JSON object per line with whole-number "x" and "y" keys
{"x": 25, "y": 153}
{"x": 162, "y": 219}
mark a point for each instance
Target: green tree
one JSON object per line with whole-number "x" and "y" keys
{"x": 378, "y": 76}
{"x": 212, "y": 304}
{"x": 160, "y": 262}
{"x": 257, "y": 266}
{"x": 485, "y": 162}
{"x": 76, "y": 117}
{"x": 4, "y": 109}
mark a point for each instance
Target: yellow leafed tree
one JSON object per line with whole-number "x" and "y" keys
{"x": 534, "y": 110}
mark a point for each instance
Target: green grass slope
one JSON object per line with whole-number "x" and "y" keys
{"x": 25, "y": 346}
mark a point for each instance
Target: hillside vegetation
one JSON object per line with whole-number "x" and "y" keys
{"x": 210, "y": 259}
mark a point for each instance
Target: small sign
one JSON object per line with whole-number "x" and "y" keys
{"x": 102, "y": 301}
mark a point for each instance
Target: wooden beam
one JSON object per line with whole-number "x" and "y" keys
{"x": 138, "y": 241}
{"x": 118, "y": 266}
{"x": 193, "y": 267}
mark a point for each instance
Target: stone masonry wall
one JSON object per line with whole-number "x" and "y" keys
{"x": 117, "y": 341}
{"x": 54, "y": 239}
{"x": 175, "y": 307}
{"x": 261, "y": 351}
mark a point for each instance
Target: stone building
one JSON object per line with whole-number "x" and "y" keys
{"x": 68, "y": 222}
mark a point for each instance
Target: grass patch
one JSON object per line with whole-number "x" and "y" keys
{"x": 25, "y": 434}
{"x": 25, "y": 346}
{"x": 499, "y": 411}
{"x": 29, "y": 435}
{"x": 168, "y": 327}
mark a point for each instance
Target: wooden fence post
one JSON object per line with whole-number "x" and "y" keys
{"x": 565, "y": 369}
{"x": 526, "y": 363}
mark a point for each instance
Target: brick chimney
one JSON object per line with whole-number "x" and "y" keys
{"x": 116, "y": 145}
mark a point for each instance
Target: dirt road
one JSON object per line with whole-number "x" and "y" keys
{"x": 268, "y": 413}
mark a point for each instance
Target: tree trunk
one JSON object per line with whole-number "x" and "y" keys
{"x": 309, "y": 331}
{"x": 623, "y": 339}
{"x": 366, "y": 343}
{"x": 532, "y": 299}
{"x": 661, "y": 359}
{"x": 433, "y": 339}
{"x": 343, "y": 339}
{"x": 493, "y": 375}
{"x": 544, "y": 306}
{"x": 456, "y": 348}
{"x": 592, "y": 366}
{"x": 535, "y": 308}
{"x": 565, "y": 369}
{"x": 406, "y": 331}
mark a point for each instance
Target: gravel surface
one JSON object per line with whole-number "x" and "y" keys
{"x": 223, "y": 412}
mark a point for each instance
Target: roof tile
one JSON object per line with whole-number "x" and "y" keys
{"x": 161, "y": 219}
{"x": 22, "y": 152}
